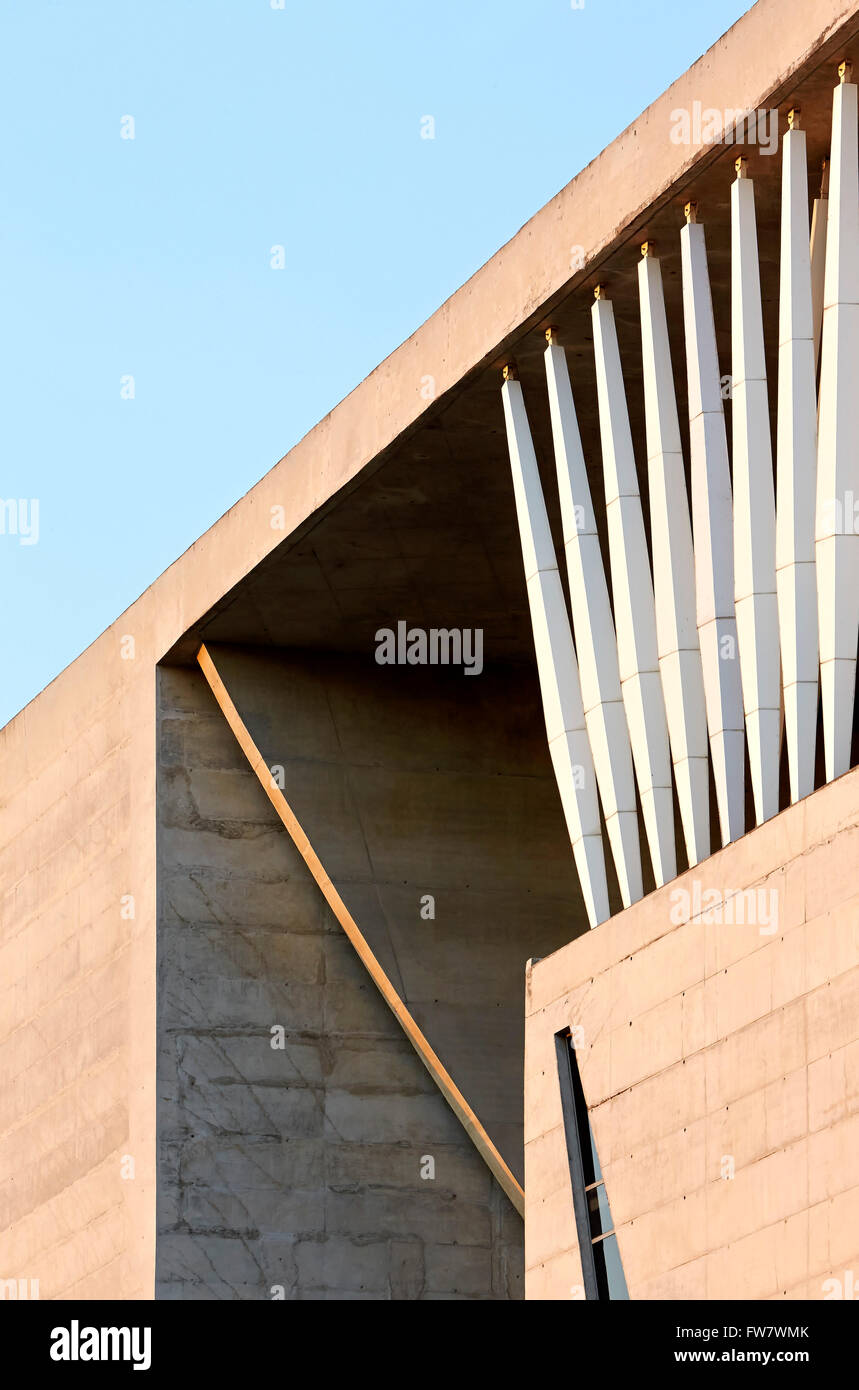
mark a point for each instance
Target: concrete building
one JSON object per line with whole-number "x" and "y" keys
{"x": 275, "y": 849}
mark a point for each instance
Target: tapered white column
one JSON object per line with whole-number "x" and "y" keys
{"x": 796, "y": 458}
{"x": 838, "y": 438}
{"x": 712, "y": 531}
{"x": 673, "y": 568}
{"x": 632, "y": 588}
{"x": 593, "y": 627}
{"x": 819, "y": 214}
{"x": 756, "y": 605}
{"x": 556, "y": 660}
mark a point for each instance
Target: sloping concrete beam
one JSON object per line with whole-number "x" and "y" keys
{"x": 442, "y": 1078}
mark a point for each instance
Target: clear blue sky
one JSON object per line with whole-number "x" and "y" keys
{"x": 254, "y": 127}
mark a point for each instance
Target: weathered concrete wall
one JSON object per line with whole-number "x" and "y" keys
{"x": 77, "y": 980}
{"x": 720, "y": 1063}
{"x": 302, "y": 1167}
{"x": 77, "y": 767}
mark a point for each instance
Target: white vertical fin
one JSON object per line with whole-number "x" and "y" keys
{"x": 673, "y": 567}
{"x": 712, "y": 530}
{"x": 819, "y": 214}
{"x": 836, "y": 539}
{"x": 756, "y": 605}
{"x": 593, "y": 626}
{"x": 632, "y": 588}
{"x": 556, "y": 660}
{"x": 796, "y": 455}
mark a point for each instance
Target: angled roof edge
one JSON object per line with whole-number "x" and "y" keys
{"x": 748, "y": 67}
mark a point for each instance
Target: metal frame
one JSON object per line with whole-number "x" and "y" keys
{"x": 572, "y": 1110}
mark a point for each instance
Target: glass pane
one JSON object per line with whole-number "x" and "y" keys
{"x": 609, "y": 1269}
{"x": 597, "y": 1177}
{"x": 590, "y": 1163}
{"x": 598, "y": 1211}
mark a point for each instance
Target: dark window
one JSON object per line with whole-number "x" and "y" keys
{"x": 601, "y": 1267}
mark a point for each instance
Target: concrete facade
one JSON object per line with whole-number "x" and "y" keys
{"x": 79, "y": 767}
{"x": 719, "y": 1059}
{"x": 302, "y": 1166}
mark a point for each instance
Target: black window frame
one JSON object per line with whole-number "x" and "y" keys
{"x": 583, "y": 1176}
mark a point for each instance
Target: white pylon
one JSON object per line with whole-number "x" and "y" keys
{"x": 556, "y": 660}
{"x": 632, "y": 589}
{"x": 836, "y": 538}
{"x": 593, "y": 627}
{"x": 756, "y": 605}
{"x": 817, "y": 250}
{"x": 796, "y": 471}
{"x": 712, "y": 532}
{"x": 673, "y": 567}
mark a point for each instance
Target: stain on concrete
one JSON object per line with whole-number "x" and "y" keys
{"x": 296, "y": 1171}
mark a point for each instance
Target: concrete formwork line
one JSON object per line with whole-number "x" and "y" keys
{"x": 445, "y": 1083}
